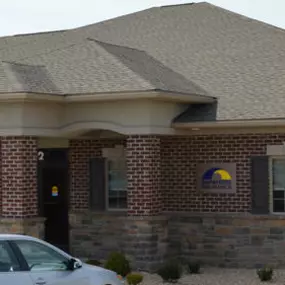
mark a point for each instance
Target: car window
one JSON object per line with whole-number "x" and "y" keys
{"x": 8, "y": 261}
{"x": 41, "y": 257}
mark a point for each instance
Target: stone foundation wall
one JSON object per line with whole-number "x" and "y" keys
{"x": 228, "y": 240}
{"x": 95, "y": 236}
{"x": 225, "y": 240}
{"x": 32, "y": 226}
{"x": 146, "y": 241}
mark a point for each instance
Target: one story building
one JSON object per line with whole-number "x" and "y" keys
{"x": 160, "y": 133}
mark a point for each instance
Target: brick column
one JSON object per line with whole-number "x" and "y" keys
{"x": 19, "y": 177}
{"x": 143, "y": 164}
{"x": 146, "y": 229}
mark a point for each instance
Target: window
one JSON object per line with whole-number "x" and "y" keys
{"x": 278, "y": 185}
{"x": 8, "y": 262}
{"x": 117, "y": 184}
{"x": 41, "y": 257}
{"x": 116, "y": 178}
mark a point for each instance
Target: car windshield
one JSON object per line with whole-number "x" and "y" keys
{"x": 42, "y": 257}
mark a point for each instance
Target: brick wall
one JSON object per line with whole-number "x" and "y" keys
{"x": 19, "y": 177}
{"x": 143, "y": 162}
{"x": 178, "y": 159}
{"x": 180, "y": 155}
{"x": 80, "y": 153}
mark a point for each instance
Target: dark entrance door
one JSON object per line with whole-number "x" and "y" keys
{"x": 53, "y": 195}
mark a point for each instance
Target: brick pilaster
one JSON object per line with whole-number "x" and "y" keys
{"x": 143, "y": 163}
{"x": 19, "y": 177}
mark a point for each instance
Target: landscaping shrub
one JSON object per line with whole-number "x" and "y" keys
{"x": 170, "y": 272}
{"x": 94, "y": 262}
{"x": 193, "y": 267}
{"x": 134, "y": 278}
{"x": 118, "y": 262}
{"x": 265, "y": 273}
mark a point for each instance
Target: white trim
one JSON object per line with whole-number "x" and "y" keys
{"x": 95, "y": 97}
{"x": 30, "y": 97}
{"x": 230, "y": 124}
{"x": 155, "y": 95}
{"x": 271, "y": 158}
{"x": 112, "y": 153}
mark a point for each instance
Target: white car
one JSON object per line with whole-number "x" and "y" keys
{"x": 26, "y": 260}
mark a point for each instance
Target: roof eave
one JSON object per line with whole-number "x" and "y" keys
{"x": 97, "y": 97}
{"x": 230, "y": 124}
{"x": 154, "y": 95}
{"x": 30, "y": 97}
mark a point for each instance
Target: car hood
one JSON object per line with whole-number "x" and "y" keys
{"x": 101, "y": 273}
{"x": 96, "y": 268}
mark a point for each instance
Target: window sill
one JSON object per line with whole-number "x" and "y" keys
{"x": 116, "y": 210}
{"x": 110, "y": 213}
{"x": 277, "y": 213}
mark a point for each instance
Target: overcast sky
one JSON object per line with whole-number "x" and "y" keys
{"x": 28, "y": 16}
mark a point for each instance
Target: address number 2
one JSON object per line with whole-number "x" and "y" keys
{"x": 41, "y": 155}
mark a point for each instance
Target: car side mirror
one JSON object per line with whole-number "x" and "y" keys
{"x": 74, "y": 264}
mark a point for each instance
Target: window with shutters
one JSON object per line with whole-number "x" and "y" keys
{"x": 116, "y": 186}
{"x": 278, "y": 185}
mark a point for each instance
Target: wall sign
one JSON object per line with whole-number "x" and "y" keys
{"x": 216, "y": 178}
{"x": 54, "y": 191}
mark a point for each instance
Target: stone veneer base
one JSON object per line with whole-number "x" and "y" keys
{"x": 27, "y": 226}
{"x": 142, "y": 239}
{"x": 226, "y": 240}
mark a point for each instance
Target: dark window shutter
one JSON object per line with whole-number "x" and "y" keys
{"x": 260, "y": 184}
{"x": 97, "y": 184}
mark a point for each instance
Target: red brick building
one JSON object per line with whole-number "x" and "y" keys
{"x": 160, "y": 133}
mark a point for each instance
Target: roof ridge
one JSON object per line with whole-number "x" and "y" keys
{"x": 118, "y": 60}
{"x": 114, "y": 45}
{"x": 48, "y": 52}
{"x": 182, "y": 4}
{"x": 34, "y": 34}
{"x": 150, "y": 59}
{"x": 114, "y": 18}
{"x": 248, "y": 18}
{"x": 40, "y": 33}
{"x": 21, "y": 63}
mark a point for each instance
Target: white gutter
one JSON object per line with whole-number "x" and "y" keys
{"x": 154, "y": 95}
{"x": 230, "y": 124}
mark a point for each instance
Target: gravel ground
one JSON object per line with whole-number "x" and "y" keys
{"x": 214, "y": 276}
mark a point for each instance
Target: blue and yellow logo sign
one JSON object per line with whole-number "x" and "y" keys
{"x": 217, "y": 178}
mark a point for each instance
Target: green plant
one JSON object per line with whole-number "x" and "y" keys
{"x": 170, "y": 272}
{"x": 134, "y": 278}
{"x": 94, "y": 262}
{"x": 118, "y": 262}
{"x": 265, "y": 273}
{"x": 194, "y": 267}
